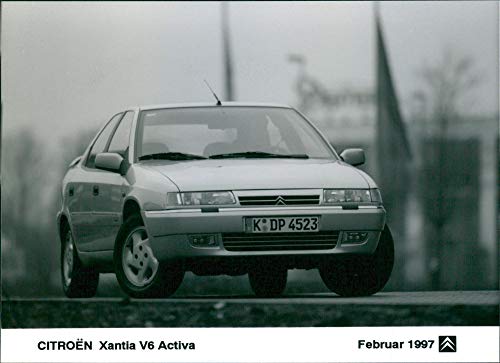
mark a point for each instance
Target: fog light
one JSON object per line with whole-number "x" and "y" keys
{"x": 203, "y": 240}
{"x": 355, "y": 237}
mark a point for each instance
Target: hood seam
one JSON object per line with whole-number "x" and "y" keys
{"x": 165, "y": 176}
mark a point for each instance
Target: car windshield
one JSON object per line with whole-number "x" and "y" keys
{"x": 228, "y": 132}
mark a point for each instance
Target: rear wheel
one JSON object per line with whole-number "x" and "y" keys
{"x": 138, "y": 271}
{"x": 268, "y": 280}
{"x": 361, "y": 275}
{"x": 77, "y": 280}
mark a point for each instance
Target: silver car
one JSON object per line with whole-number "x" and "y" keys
{"x": 220, "y": 189}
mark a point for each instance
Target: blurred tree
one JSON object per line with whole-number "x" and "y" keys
{"x": 32, "y": 175}
{"x": 445, "y": 89}
{"x": 23, "y": 212}
{"x": 446, "y": 86}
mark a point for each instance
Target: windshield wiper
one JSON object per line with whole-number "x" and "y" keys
{"x": 171, "y": 156}
{"x": 257, "y": 155}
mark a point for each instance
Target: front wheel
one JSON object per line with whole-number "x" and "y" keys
{"x": 137, "y": 270}
{"x": 78, "y": 281}
{"x": 268, "y": 281}
{"x": 360, "y": 275}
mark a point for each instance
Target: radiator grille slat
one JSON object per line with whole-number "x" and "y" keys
{"x": 280, "y": 241}
{"x": 279, "y": 200}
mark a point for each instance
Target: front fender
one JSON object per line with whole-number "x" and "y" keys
{"x": 148, "y": 188}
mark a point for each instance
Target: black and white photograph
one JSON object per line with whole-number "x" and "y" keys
{"x": 249, "y": 165}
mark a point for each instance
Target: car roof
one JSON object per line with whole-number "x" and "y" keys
{"x": 212, "y": 104}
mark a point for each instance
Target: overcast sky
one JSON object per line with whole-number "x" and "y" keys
{"x": 68, "y": 66}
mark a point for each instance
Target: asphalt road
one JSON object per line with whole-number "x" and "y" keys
{"x": 449, "y": 308}
{"x": 383, "y": 298}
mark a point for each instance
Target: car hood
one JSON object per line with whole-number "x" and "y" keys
{"x": 245, "y": 174}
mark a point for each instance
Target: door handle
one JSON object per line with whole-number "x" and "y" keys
{"x": 71, "y": 191}
{"x": 95, "y": 190}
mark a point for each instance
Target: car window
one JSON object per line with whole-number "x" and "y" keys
{"x": 120, "y": 140}
{"x": 212, "y": 131}
{"x": 179, "y": 137}
{"x": 275, "y": 138}
{"x": 102, "y": 140}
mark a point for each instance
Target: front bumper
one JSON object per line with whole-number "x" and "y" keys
{"x": 169, "y": 230}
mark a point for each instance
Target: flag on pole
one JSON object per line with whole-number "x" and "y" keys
{"x": 393, "y": 155}
{"x": 391, "y": 131}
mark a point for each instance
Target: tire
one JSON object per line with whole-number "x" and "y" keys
{"x": 268, "y": 280}
{"x": 77, "y": 281}
{"x": 138, "y": 272}
{"x": 361, "y": 275}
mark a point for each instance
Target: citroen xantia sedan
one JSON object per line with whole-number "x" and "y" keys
{"x": 219, "y": 189}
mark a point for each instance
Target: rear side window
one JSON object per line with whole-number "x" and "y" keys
{"x": 120, "y": 140}
{"x": 102, "y": 140}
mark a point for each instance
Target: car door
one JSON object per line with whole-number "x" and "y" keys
{"x": 74, "y": 200}
{"x": 110, "y": 189}
{"x": 84, "y": 227}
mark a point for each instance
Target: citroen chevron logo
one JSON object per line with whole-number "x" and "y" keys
{"x": 280, "y": 201}
{"x": 447, "y": 343}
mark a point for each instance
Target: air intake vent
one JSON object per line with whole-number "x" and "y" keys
{"x": 324, "y": 240}
{"x": 277, "y": 200}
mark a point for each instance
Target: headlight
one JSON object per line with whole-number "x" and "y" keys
{"x": 200, "y": 198}
{"x": 333, "y": 196}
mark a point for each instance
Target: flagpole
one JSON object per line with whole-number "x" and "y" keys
{"x": 1, "y": 107}
{"x": 376, "y": 10}
{"x": 227, "y": 60}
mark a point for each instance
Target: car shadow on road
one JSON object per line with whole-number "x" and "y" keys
{"x": 316, "y": 296}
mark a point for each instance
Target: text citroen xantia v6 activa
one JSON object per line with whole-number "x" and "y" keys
{"x": 229, "y": 189}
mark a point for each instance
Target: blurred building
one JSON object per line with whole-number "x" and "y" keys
{"x": 467, "y": 254}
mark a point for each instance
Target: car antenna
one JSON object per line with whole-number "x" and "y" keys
{"x": 219, "y": 103}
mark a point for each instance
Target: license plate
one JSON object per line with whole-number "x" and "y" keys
{"x": 282, "y": 224}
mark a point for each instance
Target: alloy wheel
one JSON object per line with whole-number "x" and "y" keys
{"x": 138, "y": 261}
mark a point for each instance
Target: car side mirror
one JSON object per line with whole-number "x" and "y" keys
{"x": 109, "y": 161}
{"x": 354, "y": 157}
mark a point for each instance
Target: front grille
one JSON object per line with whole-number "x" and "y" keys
{"x": 279, "y": 200}
{"x": 324, "y": 240}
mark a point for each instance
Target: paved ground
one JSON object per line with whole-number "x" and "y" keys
{"x": 382, "y": 298}
{"x": 473, "y": 308}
